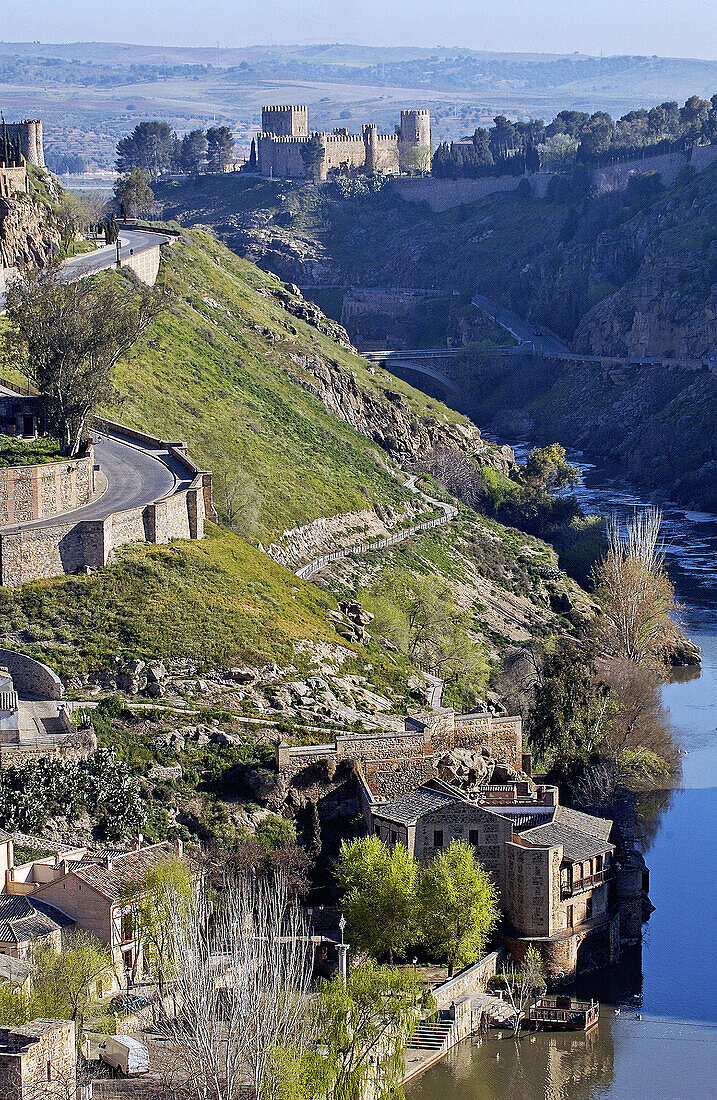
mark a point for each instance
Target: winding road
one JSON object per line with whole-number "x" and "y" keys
{"x": 132, "y": 243}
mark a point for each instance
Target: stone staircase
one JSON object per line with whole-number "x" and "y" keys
{"x": 432, "y": 1037}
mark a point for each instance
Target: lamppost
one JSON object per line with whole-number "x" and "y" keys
{"x": 343, "y": 951}
{"x": 118, "y": 245}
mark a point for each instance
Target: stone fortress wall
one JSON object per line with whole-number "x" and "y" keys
{"x": 392, "y": 763}
{"x": 285, "y": 130}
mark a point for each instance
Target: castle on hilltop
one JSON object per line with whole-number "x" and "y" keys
{"x": 281, "y": 146}
{"x": 21, "y": 143}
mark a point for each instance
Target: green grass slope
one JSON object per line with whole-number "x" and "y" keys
{"x": 222, "y": 369}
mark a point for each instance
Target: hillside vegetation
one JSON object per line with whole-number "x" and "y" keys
{"x": 230, "y": 366}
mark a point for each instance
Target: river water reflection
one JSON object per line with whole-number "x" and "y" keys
{"x": 662, "y": 1043}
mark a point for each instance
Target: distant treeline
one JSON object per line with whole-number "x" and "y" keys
{"x": 155, "y": 148}
{"x": 577, "y": 138}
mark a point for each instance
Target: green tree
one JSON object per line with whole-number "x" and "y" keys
{"x": 133, "y": 194}
{"x": 220, "y": 147}
{"x": 149, "y": 147}
{"x": 312, "y": 154}
{"x": 193, "y": 151}
{"x": 155, "y": 902}
{"x": 67, "y": 338}
{"x": 276, "y": 832}
{"x": 68, "y": 984}
{"x": 458, "y": 905}
{"x": 547, "y": 468}
{"x": 380, "y": 892}
{"x": 363, "y": 1027}
{"x": 568, "y": 721}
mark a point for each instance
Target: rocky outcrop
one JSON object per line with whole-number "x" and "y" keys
{"x": 27, "y": 236}
{"x": 385, "y": 416}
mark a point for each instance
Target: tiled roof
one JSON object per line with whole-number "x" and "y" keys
{"x": 23, "y": 920}
{"x": 576, "y": 845}
{"x": 407, "y": 809}
{"x": 112, "y": 881}
{"x": 599, "y": 827}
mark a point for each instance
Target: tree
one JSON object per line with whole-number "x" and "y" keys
{"x": 458, "y": 904}
{"x": 312, "y": 155}
{"x": 312, "y": 831}
{"x": 379, "y": 887}
{"x": 67, "y": 984}
{"x": 547, "y": 468}
{"x": 133, "y": 194}
{"x": 635, "y": 594}
{"x": 237, "y": 498}
{"x": 148, "y": 147}
{"x": 155, "y": 900}
{"x": 73, "y": 216}
{"x": 220, "y": 147}
{"x": 568, "y": 721}
{"x": 67, "y": 338}
{"x": 241, "y": 971}
{"x": 363, "y": 1027}
{"x": 522, "y": 984}
{"x": 193, "y": 151}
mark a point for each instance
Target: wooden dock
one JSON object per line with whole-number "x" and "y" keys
{"x": 564, "y": 1014}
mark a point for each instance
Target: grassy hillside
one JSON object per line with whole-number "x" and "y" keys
{"x": 224, "y": 368}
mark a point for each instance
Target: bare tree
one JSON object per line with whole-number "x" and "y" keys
{"x": 522, "y": 984}
{"x": 635, "y": 594}
{"x": 240, "y": 975}
{"x": 237, "y": 499}
{"x": 67, "y": 337}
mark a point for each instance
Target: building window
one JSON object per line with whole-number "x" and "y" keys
{"x": 589, "y": 908}
{"x": 49, "y": 1070}
{"x": 438, "y": 838}
{"x": 394, "y": 837}
{"x": 474, "y": 837}
{"x": 127, "y": 928}
{"x": 377, "y": 830}
{"x": 598, "y": 864}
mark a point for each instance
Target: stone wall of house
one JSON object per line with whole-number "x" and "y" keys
{"x": 30, "y": 493}
{"x": 488, "y": 833}
{"x": 38, "y": 1059}
{"x": 529, "y": 875}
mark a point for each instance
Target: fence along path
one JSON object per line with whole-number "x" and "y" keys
{"x": 449, "y": 513}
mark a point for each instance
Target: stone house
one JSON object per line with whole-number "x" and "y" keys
{"x": 38, "y": 1061}
{"x": 93, "y": 892}
{"x": 554, "y": 867}
{"x": 26, "y": 923}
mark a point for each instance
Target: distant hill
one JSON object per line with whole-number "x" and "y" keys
{"x": 99, "y": 91}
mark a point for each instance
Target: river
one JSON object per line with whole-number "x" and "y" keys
{"x": 657, "y": 1035}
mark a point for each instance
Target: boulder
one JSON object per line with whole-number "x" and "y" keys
{"x": 156, "y": 673}
{"x": 243, "y": 675}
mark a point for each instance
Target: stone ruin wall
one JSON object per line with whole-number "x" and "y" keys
{"x": 12, "y": 180}
{"x": 30, "y": 493}
{"x": 394, "y": 763}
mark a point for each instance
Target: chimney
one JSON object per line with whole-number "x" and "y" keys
{"x": 179, "y": 846}
{"x": 108, "y": 861}
{"x": 139, "y": 842}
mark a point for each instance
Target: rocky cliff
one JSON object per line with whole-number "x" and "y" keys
{"x": 27, "y": 235}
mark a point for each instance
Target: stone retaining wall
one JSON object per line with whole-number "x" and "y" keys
{"x": 31, "y": 676}
{"x": 30, "y": 493}
{"x": 34, "y": 553}
{"x": 473, "y": 980}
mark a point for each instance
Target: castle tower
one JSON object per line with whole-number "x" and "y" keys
{"x": 285, "y": 121}
{"x": 30, "y": 137}
{"x": 370, "y": 141}
{"x": 414, "y": 141}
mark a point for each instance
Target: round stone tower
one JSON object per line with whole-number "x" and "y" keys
{"x": 414, "y": 141}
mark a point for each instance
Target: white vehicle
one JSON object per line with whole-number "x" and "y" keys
{"x": 128, "y": 1055}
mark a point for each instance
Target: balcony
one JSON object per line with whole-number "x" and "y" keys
{"x": 587, "y": 882}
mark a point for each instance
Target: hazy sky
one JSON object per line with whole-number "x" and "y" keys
{"x": 672, "y": 28}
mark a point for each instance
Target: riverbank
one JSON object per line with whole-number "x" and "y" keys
{"x": 657, "y": 1034}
